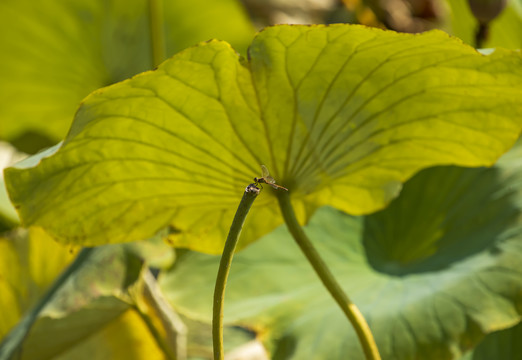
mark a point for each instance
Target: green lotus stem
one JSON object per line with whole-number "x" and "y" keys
{"x": 350, "y": 310}
{"x": 157, "y": 32}
{"x": 249, "y": 196}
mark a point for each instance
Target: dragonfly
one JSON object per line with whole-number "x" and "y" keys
{"x": 267, "y": 179}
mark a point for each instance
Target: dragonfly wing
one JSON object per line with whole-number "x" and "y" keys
{"x": 265, "y": 171}
{"x": 266, "y": 175}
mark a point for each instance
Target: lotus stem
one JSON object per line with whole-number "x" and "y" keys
{"x": 157, "y": 32}
{"x": 349, "y": 308}
{"x": 249, "y": 196}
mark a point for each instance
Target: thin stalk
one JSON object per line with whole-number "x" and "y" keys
{"x": 157, "y": 32}
{"x": 481, "y": 35}
{"x": 249, "y": 196}
{"x": 350, "y": 310}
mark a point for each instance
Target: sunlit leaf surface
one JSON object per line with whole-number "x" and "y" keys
{"x": 433, "y": 273}
{"x": 340, "y": 115}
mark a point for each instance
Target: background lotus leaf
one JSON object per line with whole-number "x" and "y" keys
{"x": 500, "y": 345}
{"x": 90, "y": 312}
{"x": 29, "y": 262}
{"x": 433, "y": 273}
{"x": 58, "y": 51}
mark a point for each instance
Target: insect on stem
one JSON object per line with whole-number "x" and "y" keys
{"x": 267, "y": 179}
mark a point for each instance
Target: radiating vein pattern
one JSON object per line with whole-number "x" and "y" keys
{"x": 366, "y": 101}
{"x": 340, "y": 115}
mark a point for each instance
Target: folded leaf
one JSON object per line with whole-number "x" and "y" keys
{"x": 341, "y": 115}
{"x": 90, "y": 295}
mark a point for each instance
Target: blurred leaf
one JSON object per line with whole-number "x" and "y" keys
{"x": 58, "y": 51}
{"x": 200, "y": 338}
{"x": 125, "y": 337}
{"x": 433, "y": 273}
{"x": 154, "y": 251}
{"x": 9, "y": 279}
{"x": 500, "y": 345}
{"x": 8, "y": 216}
{"x": 505, "y": 31}
{"x": 341, "y": 115}
{"x": 29, "y": 262}
{"x": 189, "y": 22}
{"x": 92, "y": 294}
{"x": 45, "y": 258}
{"x": 54, "y": 334}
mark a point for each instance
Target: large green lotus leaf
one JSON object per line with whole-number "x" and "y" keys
{"x": 341, "y": 115}
{"x": 432, "y": 273}
{"x": 56, "y": 52}
{"x": 504, "y": 31}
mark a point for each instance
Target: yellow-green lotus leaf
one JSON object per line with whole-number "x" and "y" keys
{"x": 341, "y": 115}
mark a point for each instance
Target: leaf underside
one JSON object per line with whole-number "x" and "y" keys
{"x": 341, "y": 115}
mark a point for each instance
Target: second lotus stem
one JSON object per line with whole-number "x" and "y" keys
{"x": 349, "y": 308}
